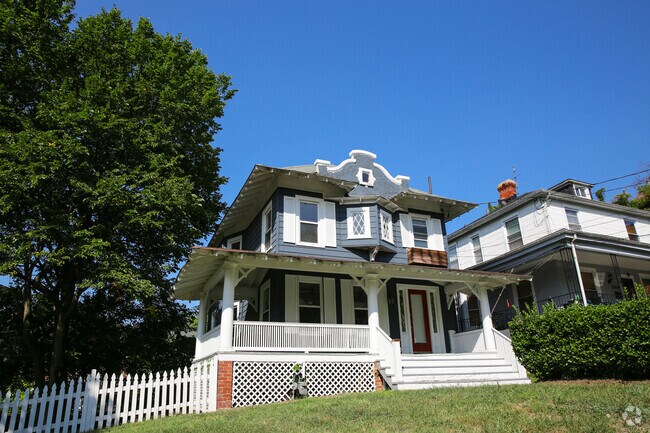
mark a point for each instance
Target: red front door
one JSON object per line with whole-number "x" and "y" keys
{"x": 420, "y": 332}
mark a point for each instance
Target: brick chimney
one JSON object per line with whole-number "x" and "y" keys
{"x": 507, "y": 191}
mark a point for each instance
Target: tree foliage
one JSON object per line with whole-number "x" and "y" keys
{"x": 640, "y": 201}
{"x": 107, "y": 172}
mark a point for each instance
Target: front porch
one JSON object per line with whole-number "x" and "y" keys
{"x": 371, "y": 317}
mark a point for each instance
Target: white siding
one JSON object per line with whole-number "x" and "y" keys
{"x": 537, "y": 221}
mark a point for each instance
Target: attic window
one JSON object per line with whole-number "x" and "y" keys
{"x": 365, "y": 177}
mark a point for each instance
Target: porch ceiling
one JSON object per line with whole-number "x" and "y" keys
{"x": 205, "y": 269}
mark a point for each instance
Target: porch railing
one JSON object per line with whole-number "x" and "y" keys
{"x": 300, "y": 337}
{"x": 390, "y": 352}
{"x": 593, "y": 298}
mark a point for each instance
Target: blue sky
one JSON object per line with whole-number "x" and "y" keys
{"x": 461, "y": 91}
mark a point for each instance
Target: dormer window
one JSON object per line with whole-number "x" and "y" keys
{"x": 581, "y": 191}
{"x": 365, "y": 177}
{"x": 308, "y": 217}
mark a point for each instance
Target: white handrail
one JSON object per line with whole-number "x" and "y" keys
{"x": 504, "y": 349}
{"x": 391, "y": 352}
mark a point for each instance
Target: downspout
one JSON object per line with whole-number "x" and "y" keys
{"x": 577, "y": 266}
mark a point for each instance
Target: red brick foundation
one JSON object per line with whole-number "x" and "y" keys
{"x": 379, "y": 384}
{"x": 224, "y": 385}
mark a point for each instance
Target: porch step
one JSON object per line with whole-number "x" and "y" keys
{"x": 453, "y": 369}
{"x": 459, "y": 382}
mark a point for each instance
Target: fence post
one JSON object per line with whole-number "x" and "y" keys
{"x": 90, "y": 402}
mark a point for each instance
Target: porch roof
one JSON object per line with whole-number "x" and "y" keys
{"x": 204, "y": 269}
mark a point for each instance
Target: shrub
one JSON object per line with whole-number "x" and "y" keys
{"x": 597, "y": 341}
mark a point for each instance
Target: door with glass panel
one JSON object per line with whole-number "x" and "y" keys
{"x": 419, "y": 320}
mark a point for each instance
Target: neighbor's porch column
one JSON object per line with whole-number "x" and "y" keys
{"x": 231, "y": 271}
{"x": 488, "y": 332}
{"x": 372, "y": 285}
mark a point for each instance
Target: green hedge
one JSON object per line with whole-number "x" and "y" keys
{"x": 596, "y": 341}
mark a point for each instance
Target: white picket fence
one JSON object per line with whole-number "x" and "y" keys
{"x": 99, "y": 402}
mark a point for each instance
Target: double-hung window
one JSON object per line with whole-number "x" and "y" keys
{"x": 476, "y": 246}
{"x": 360, "y": 306}
{"x": 452, "y": 257}
{"x": 309, "y": 302}
{"x": 631, "y": 230}
{"x": 267, "y": 227}
{"x": 308, "y": 220}
{"x": 420, "y": 233}
{"x": 235, "y": 243}
{"x": 513, "y": 232}
{"x": 572, "y": 219}
{"x": 359, "y": 223}
{"x": 386, "y": 225}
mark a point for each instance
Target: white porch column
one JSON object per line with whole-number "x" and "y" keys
{"x": 488, "y": 333}
{"x": 203, "y": 309}
{"x": 231, "y": 271}
{"x": 372, "y": 285}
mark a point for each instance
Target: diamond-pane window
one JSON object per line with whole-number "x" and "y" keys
{"x": 386, "y": 227}
{"x": 358, "y": 224}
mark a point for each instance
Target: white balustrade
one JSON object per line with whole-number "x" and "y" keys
{"x": 390, "y": 353}
{"x": 279, "y": 336}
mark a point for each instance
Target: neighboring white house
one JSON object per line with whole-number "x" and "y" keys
{"x": 341, "y": 271}
{"x": 576, "y": 248}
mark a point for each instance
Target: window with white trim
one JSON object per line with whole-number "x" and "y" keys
{"x": 581, "y": 191}
{"x": 358, "y": 223}
{"x": 265, "y": 302}
{"x": 452, "y": 257}
{"x": 365, "y": 177}
{"x": 308, "y": 222}
{"x": 309, "y": 302}
{"x": 360, "y": 306}
{"x": 476, "y": 247}
{"x": 631, "y": 230}
{"x": 420, "y": 232}
{"x": 386, "y": 225}
{"x": 267, "y": 228}
{"x": 513, "y": 232}
{"x": 235, "y": 243}
{"x": 572, "y": 219}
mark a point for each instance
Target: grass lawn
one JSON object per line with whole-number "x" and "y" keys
{"x": 579, "y": 406}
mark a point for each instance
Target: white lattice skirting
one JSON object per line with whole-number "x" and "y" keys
{"x": 270, "y": 382}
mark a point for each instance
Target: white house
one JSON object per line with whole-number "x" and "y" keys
{"x": 339, "y": 271}
{"x": 576, "y": 248}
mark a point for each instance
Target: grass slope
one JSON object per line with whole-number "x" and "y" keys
{"x": 580, "y": 406}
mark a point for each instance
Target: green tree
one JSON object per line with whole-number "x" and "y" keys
{"x": 108, "y": 175}
{"x": 640, "y": 201}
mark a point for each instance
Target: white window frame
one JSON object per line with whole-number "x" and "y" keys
{"x": 480, "y": 248}
{"x": 505, "y": 232}
{"x": 566, "y": 213}
{"x": 371, "y": 177}
{"x": 264, "y": 287}
{"x": 427, "y": 224}
{"x": 319, "y": 204}
{"x": 455, "y": 248}
{"x": 383, "y": 214}
{"x": 234, "y": 240}
{"x": 366, "y": 222}
{"x": 581, "y": 191}
{"x": 321, "y": 306}
{"x": 633, "y": 224}
{"x": 267, "y": 210}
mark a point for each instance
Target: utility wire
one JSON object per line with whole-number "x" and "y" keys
{"x": 622, "y": 177}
